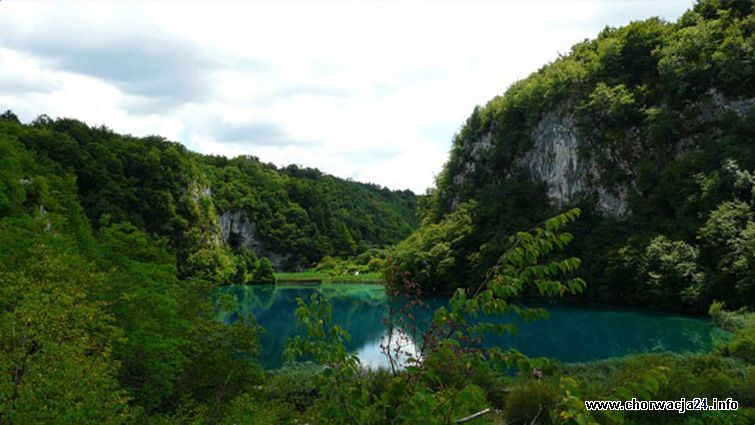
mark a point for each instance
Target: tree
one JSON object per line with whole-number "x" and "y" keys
{"x": 55, "y": 339}
{"x": 140, "y": 292}
{"x": 671, "y": 273}
{"x": 438, "y": 385}
{"x": 727, "y": 238}
{"x": 8, "y": 115}
{"x": 265, "y": 273}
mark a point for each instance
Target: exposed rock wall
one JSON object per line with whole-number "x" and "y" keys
{"x": 235, "y": 226}
{"x": 554, "y": 158}
{"x": 720, "y": 103}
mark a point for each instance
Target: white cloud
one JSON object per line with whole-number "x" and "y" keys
{"x": 373, "y": 91}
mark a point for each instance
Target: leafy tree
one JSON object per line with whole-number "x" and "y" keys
{"x": 431, "y": 256}
{"x": 671, "y": 273}
{"x": 8, "y": 115}
{"x": 264, "y": 273}
{"x": 55, "y": 339}
{"x": 141, "y": 293}
{"x": 727, "y": 238}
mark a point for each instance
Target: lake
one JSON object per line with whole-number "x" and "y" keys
{"x": 570, "y": 333}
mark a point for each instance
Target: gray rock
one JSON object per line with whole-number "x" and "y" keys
{"x": 237, "y": 225}
{"x": 554, "y": 158}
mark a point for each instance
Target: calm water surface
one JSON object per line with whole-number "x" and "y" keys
{"x": 570, "y": 333}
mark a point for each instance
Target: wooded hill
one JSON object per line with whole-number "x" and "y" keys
{"x": 293, "y": 215}
{"x": 650, "y": 129}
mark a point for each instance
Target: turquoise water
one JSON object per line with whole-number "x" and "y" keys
{"x": 570, "y": 333}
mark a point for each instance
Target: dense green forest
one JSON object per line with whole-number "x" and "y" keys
{"x": 297, "y": 215}
{"x": 112, "y": 250}
{"x": 649, "y": 129}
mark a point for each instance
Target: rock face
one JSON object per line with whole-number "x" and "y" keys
{"x": 238, "y": 231}
{"x": 719, "y": 103}
{"x": 557, "y": 156}
{"x": 235, "y": 227}
{"x": 554, "y": 158}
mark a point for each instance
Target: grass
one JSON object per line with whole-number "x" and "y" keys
{"x": 325, "y": 277}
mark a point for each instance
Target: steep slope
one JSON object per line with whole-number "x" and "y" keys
{"x": 636, "y": 127}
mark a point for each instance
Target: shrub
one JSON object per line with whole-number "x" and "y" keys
{"x": 294, "y": 384}
{"x": 742, "y": 344}
{"x": 530, "y": 402}
{"x": 749, "y": 390}
{"x": 246, "y": 409}
{"x": 715, "y": 309}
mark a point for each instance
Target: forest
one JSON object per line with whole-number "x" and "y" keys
{"x": 114, "y": 251}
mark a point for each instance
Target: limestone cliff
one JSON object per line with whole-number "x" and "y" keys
{"x": 555, "y": 159}
{"x": 572, "y": 165}
{"x": 237, "y": 230}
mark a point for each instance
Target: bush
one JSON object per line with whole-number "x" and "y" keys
{"x": 265, "y": 272}
{"x": 742, "y": 344}
{"x": 294, "y": 385}
{"x": 749, "y": 390}
{"x": 715, "y": 309}
{"x": 246, "y": 409}
{"x": 530, "y": 402}
{"x": 376, "y": 381}
{"x": 703, "y": 376}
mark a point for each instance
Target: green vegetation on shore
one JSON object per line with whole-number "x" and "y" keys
{"x": 364, "y": 268}
{"x": 325, "y": 277}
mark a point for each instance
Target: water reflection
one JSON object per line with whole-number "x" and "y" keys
{"x": 570, "y": 334}
{"x": 402, "y": 347}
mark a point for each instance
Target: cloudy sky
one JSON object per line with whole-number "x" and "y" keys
{"x": 373, "y": 91}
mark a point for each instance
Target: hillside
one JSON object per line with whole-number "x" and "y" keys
{"x": 649, "y": 129}
{"x": 203, "y": 205}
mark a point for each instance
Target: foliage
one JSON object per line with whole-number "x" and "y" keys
{"x": 441, "y": 381}
{"x": 342, "y": 395}
{"x": 742, "y": 343}
{"x": 531, "y": 402}
{"x": 370, "y": 261}
{"x": 669, "y": 271}
{"x": 56, "y": 344}
{"x": 264, "y": 273}
{"x": 141, "y": 284}
{"x": 326, "y": 277}
{"x": 97, "y": 324}
{"x": 306, "y": 214}
{"x": 167, "y": 191}
{"x": 431, "y": 254}
{"x": 729, "y": 236}
{"x": 659, "y": 110}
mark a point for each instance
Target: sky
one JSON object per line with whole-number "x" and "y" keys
{"x": 368, "y": 90}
